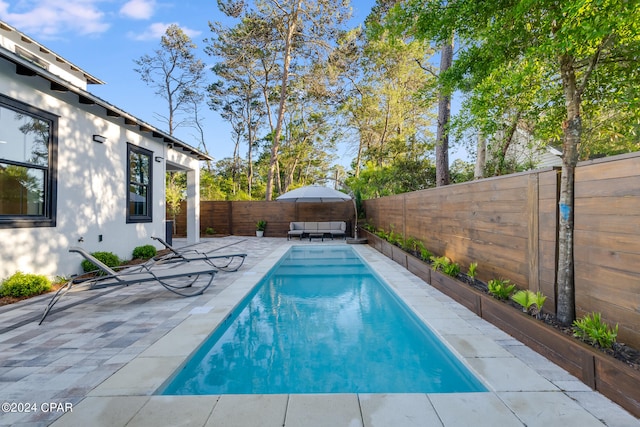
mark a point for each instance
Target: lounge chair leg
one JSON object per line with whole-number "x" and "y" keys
{"x": 54, "y": 299}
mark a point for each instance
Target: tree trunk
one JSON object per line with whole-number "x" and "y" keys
{"x": 250, "y": 138}
{"x": 444, "y": 113}
{"x": 288, "y": 46}
{"x": 572, "y": 129}
{"x": 481, "y": 157}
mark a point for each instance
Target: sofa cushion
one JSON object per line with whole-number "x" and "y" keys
{"x": 324, "y": 227}
{"x": 296, "y": 226}
{"x": 338, "y": 226}
{"x": 310, "y": 227}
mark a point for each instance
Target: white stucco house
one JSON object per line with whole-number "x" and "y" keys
{"x": 74, "y": 169}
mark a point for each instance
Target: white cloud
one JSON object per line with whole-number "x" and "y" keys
{"x": 157, "y": 30}
{"x": 51, "y": 18}
{"x": 138, "y": 9}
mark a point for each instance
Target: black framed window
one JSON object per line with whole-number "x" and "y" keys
{"x": 28, "y": 180}
{"x": 140, "y": 184}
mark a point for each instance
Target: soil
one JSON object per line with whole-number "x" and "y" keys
{"x": 627, "y": 354}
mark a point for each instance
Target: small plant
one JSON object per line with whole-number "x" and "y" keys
{"x": 593, "y": 330}
{"x": 539, "y": 302}
{"x": 261, "y": 225}
{"x": 395, "y": 238}
{"x": 145, "y": 252}
{"x": 209, "y": 231}
{"x": 410, "y": 244}
{"x": 445, "y": 265}
{"x": 525, "y": 298}
{"x": 438, "y": 262}
{"x": 24, "y": 285}
{"x": 425, "y": 255}
{"x": 108, "y": 258}
{"x": 381, "y": 233}
{"x": 501, "y": 288}
{"x": 452, "y": 269}
{"x": 472, "y": 271}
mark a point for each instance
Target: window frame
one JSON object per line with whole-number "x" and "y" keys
{"x": 48, "y": 218}
{"x": 131, "y": 217}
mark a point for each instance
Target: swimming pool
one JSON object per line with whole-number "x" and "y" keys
{"x": 322, "y": 322}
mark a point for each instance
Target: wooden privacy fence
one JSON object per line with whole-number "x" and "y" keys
{"x": 508, "y": 225}
{"x": 240, "y": 217}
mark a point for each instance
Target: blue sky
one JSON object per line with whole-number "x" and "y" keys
{"x": 104, "y": 37}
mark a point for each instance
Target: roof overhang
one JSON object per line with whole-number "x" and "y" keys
{"x": 26, "y": 68}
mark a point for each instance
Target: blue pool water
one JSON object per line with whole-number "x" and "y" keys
{"x": 322, "y": 322}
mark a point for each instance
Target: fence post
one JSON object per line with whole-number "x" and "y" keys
{"x": 533, "y": 201}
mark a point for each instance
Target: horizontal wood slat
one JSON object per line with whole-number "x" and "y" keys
{"x": 492, "y": 222}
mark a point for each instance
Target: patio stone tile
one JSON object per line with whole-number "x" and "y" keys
{"x": 321, "y": 410}
{"x": 475, "y": 346}
{"x": 16, "y": 374}
{"x": 398, "y": 410}
{"x": 473, "y": 409}
{"x": 429, "y": 310}
{"x": 604, "y": 409}
{"x": 542, "y": 409}
{"x": 107, "y": 411}
{"x": 249, "y": 410}
{"x": 142, "y": 375}
{"x": 509, "y": 374}
{"x": 571, "y": 385}
{"x": 451, "y": 326}
{"x": 174, "y": 411}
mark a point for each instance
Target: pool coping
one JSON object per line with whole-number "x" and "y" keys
{"x": 518, "y": 394}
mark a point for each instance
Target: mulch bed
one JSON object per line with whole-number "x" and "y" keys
{"x": 56, "y": 286}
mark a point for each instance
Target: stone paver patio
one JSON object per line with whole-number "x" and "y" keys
{"x": 100, "y": 359}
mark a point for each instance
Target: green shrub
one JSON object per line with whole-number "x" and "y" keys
{"x": 24, "y": 285}
{"x": 593, "y": 330}
{"x": 145, "y": 252}
{"x": 500, "y": 288}
{"x": 425, "y": 255}
{"x": 108, "y": 258}
{"x": 445, "y": 265}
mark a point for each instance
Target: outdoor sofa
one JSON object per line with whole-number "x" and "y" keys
{"x": 317, "y": 229}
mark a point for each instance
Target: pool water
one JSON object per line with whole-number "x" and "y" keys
{"x": 322, "y": 322}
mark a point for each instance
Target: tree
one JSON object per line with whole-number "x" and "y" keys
{"x": 577, "y": 48}
{"x": 291, "y": 34}
{"x": 444, "y": 115}
{"x": 174, "y": 72}
{"x": 305, "y": 29}
{"x": 246, "y": 78}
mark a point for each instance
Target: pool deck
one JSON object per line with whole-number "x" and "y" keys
{"x": 98, "y": 362}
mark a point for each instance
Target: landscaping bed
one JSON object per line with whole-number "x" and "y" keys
{"x": 614, "y": 372}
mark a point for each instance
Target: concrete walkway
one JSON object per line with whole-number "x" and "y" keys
{"x": 99, "y": 362}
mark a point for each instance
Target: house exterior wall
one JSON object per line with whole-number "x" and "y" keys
{"x": 91, "y": 184}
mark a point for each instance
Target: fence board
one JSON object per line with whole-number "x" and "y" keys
{"x": 240, "y": 217}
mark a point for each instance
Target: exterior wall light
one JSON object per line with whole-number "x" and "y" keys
{"x": 159, "y": 159}
{"x": 99, "y": 138}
